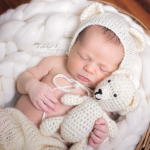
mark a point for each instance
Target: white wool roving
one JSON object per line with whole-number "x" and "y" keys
{"x": 24, "y": 42}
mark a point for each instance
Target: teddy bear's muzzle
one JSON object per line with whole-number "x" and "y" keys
{"x": 102, "y": 93}
{"x": 98, "y": 94}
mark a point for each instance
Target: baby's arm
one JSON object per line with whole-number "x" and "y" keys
{"x": 40, "y": 93}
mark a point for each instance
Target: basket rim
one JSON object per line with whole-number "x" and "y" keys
{"x": 147, "y": 31}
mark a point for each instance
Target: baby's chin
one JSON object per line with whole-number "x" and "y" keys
{"x": 91, "y": 86}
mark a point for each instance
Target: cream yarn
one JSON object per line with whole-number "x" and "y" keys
{"x": 114, "y": 94}
{"x": 131, "y": 39}
{"x": 17, "y": 132}
{"x": 117, "y": 93}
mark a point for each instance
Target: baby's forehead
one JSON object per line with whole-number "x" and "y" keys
{"x": 88, "y": 32}
{"x": 99, "y": 32}
{"x": 93, "y": 28}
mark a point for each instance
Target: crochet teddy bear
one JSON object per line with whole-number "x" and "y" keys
{"x": 116, "y": 93}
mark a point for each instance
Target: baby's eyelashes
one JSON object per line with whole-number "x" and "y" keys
{"x": 83, "y": 58}
{"x": 102, "y": 70}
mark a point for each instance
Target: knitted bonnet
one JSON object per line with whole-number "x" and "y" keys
{"x": 131, "y": 39}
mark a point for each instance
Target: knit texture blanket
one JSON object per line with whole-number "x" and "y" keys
{"x": 19, "y": 133}
{"x": 43, "y": 28}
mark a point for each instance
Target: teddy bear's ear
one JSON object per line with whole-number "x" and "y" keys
{"x": 135, "y": 102}
{"x": 125, "y": 72}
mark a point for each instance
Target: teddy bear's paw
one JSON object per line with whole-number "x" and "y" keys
{"x": 50, "y": 126}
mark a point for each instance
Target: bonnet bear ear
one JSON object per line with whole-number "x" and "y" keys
{"x": 134, "y": 103}
{"x": 138, "y": 38}
{"x": 95, "y": 8}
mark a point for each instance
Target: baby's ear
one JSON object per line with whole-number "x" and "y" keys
{"x": 134, "y": 103}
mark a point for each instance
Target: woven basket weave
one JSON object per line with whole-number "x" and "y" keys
{"x": 144, "y": 143}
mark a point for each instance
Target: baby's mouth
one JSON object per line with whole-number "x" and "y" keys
{"x": 84, "y": 79}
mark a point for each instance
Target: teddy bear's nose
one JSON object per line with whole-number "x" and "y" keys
{"x": 99, "y": 92}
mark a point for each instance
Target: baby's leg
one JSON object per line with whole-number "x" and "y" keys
{"x": 25, "y": 105}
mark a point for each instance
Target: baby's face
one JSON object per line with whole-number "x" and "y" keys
{"x": 93, "y": 59}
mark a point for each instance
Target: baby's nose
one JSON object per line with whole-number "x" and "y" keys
{"x": 90, "y": 68}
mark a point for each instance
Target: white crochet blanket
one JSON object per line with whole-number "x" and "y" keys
{"x": 44, "y": 27}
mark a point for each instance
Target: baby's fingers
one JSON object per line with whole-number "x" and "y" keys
{"x": 101, "y": 121}
{"x": 91, "y": 142}
{"x": 42, "y": 105}
{"x": 102, "y": 128}
{"x": 51, "y": 98}
{"x": 51, "y": 90}
{"x": 37, "y": 106}
{"x": 100, "y": 134}
{"x": 50, "y": 105}
{"x": 96, "y": 140}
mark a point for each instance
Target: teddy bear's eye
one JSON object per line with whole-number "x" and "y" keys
{"x": 115, "y": 95}
{"x": 109, "y": 81}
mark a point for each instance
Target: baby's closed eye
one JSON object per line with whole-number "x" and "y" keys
{"x": 104, "y": 70}
{"x": 83, "y": 57}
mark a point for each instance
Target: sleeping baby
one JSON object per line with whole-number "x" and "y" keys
{"x": 103, "y": 43}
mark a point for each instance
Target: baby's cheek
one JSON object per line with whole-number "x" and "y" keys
{"x": 100, "y": 77}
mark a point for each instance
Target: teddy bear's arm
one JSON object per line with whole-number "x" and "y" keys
{"x": 82, "y": 145}
{"x": 71, "y": 100}
{"x": 113, "y": 128}
{"x": 51, "y": 125}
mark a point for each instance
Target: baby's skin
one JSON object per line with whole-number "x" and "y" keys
{"x": 90, "y": 61}
{"x": 25, "y": 105}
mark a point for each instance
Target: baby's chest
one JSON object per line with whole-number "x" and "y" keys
{"x": 56, "y": 83}
{"x": 61, "y": 109}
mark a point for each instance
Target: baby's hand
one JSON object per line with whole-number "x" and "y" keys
{"x": 41, "y": 94}
{"x": 99, "y": 133}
